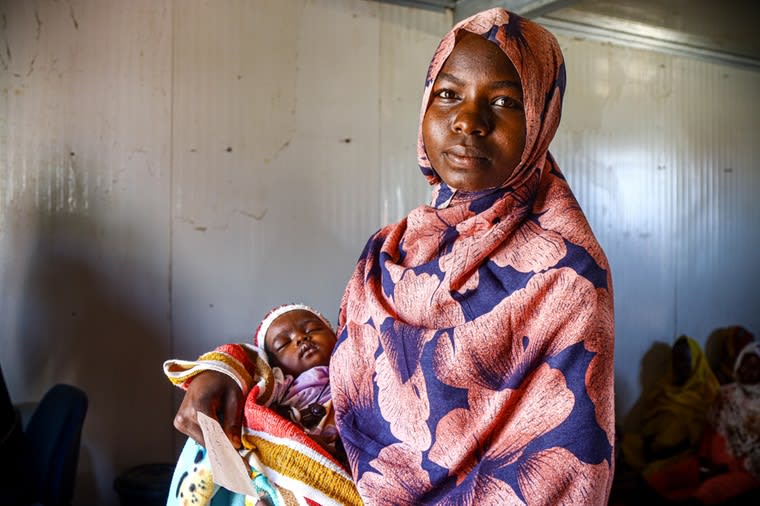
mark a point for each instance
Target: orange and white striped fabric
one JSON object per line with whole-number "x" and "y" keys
{"x": 288, "y": 467}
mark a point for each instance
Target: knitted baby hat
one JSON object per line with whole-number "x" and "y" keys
{"x": 274, "y": 313}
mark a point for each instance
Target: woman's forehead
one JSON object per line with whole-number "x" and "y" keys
{"x": 473, "y": 53}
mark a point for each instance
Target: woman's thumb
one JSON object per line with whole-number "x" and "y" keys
{"x": 232, "y": 417}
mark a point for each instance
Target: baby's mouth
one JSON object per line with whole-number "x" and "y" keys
{"x": 307, "y": 348}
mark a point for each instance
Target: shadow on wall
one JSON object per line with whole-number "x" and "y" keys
{"x": 654, "y": 364}
{"x": 91, "y": 312}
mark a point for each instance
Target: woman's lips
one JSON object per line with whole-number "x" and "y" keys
{"x": 466, "y": 157}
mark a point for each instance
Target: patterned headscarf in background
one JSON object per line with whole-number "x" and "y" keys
{"x": 474, "y": 362}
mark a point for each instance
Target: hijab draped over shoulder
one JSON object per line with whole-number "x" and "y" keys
{"x": 474, "y": 362}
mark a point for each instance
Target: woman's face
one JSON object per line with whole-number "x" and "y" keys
{"x": 474, "y": 127}
{"x": 748, "y": 372}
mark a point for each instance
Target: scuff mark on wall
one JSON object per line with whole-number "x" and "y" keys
{"x": 73, "y": 17}
{"x": 277, "y": 153}
{"x": 3, "y": 61}
{"x": 39, "y": 25}
{"x": 31, "y": 66}
{"x": 200, "y": 227}
{"x": 257, "y": 217}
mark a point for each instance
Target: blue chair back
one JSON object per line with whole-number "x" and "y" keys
{"x": 53, "y": 438}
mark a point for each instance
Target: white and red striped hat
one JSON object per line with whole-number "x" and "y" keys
{"x": 261, "y": 332}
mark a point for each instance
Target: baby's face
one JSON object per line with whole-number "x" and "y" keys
{"x": 299, "y": 340}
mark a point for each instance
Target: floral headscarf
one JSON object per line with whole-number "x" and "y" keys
{"x": 474, "y": 362}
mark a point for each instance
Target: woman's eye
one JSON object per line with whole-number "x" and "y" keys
{"x": 507, "y": 102}
{"x": 445, "y": 94}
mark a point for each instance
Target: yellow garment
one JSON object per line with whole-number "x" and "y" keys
{"x": 673, "y": 417}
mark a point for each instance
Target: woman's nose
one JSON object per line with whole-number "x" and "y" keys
{"x": 471, "y": 118}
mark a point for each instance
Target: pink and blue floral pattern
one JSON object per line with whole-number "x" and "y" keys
{"x": 474, "y": 363}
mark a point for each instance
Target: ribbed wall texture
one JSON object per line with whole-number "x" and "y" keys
{"x": 663, "y": 154}
{"x": 170, "y": 170}
{"x": 85, "y": 172}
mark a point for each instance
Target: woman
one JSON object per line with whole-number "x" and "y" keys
{"x": 674, "y": 411}
{"x": 728, "y": 464}
{"x": 474, "y": 362}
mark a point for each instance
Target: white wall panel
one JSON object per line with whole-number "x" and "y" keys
{"x": 171, "y": 169}
{"x": 408, "y": 38}
{"x": 662, "y": 153}
{"x": 84, "y": 249}
{"x": 228, "y": 156}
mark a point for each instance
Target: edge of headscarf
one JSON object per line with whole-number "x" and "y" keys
{"x": 701, "y": 372}
{"x": 695, "y": 350}
{"x": 274, "y": 313}
{"x": 481, "y": 23}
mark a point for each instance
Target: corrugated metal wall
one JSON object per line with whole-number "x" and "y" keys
{"x": 85, "y": 175}
{"x": 663, "y": 153}
{"x": 170, "y": 170}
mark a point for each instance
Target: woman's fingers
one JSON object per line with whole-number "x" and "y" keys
{"x": 186, "y": 422}
{"x": 232, "y": 414}
{"x": 207, "y": 393}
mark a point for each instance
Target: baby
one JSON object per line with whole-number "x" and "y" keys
{"x": 298, "y": 342}
{"x": 285, "y": 372}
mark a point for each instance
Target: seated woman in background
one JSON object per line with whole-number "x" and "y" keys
{"x": 730, "y": 341}
{"x": 728, "y": 464}
{"x": 674, "y": 411}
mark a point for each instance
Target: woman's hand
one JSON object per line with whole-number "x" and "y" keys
{"x": 214, "y": 394}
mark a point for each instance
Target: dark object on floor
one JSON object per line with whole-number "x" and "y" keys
{"x": 145, "y": 485}
{"x": 53, "y": 439}
{"x": 11, "y": 449}
{"x": 41, "y": 458}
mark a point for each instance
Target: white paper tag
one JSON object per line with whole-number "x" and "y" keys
{"x": 227, "y": 466}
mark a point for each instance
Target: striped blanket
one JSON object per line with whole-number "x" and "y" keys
{"x": 287, "y": 466}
